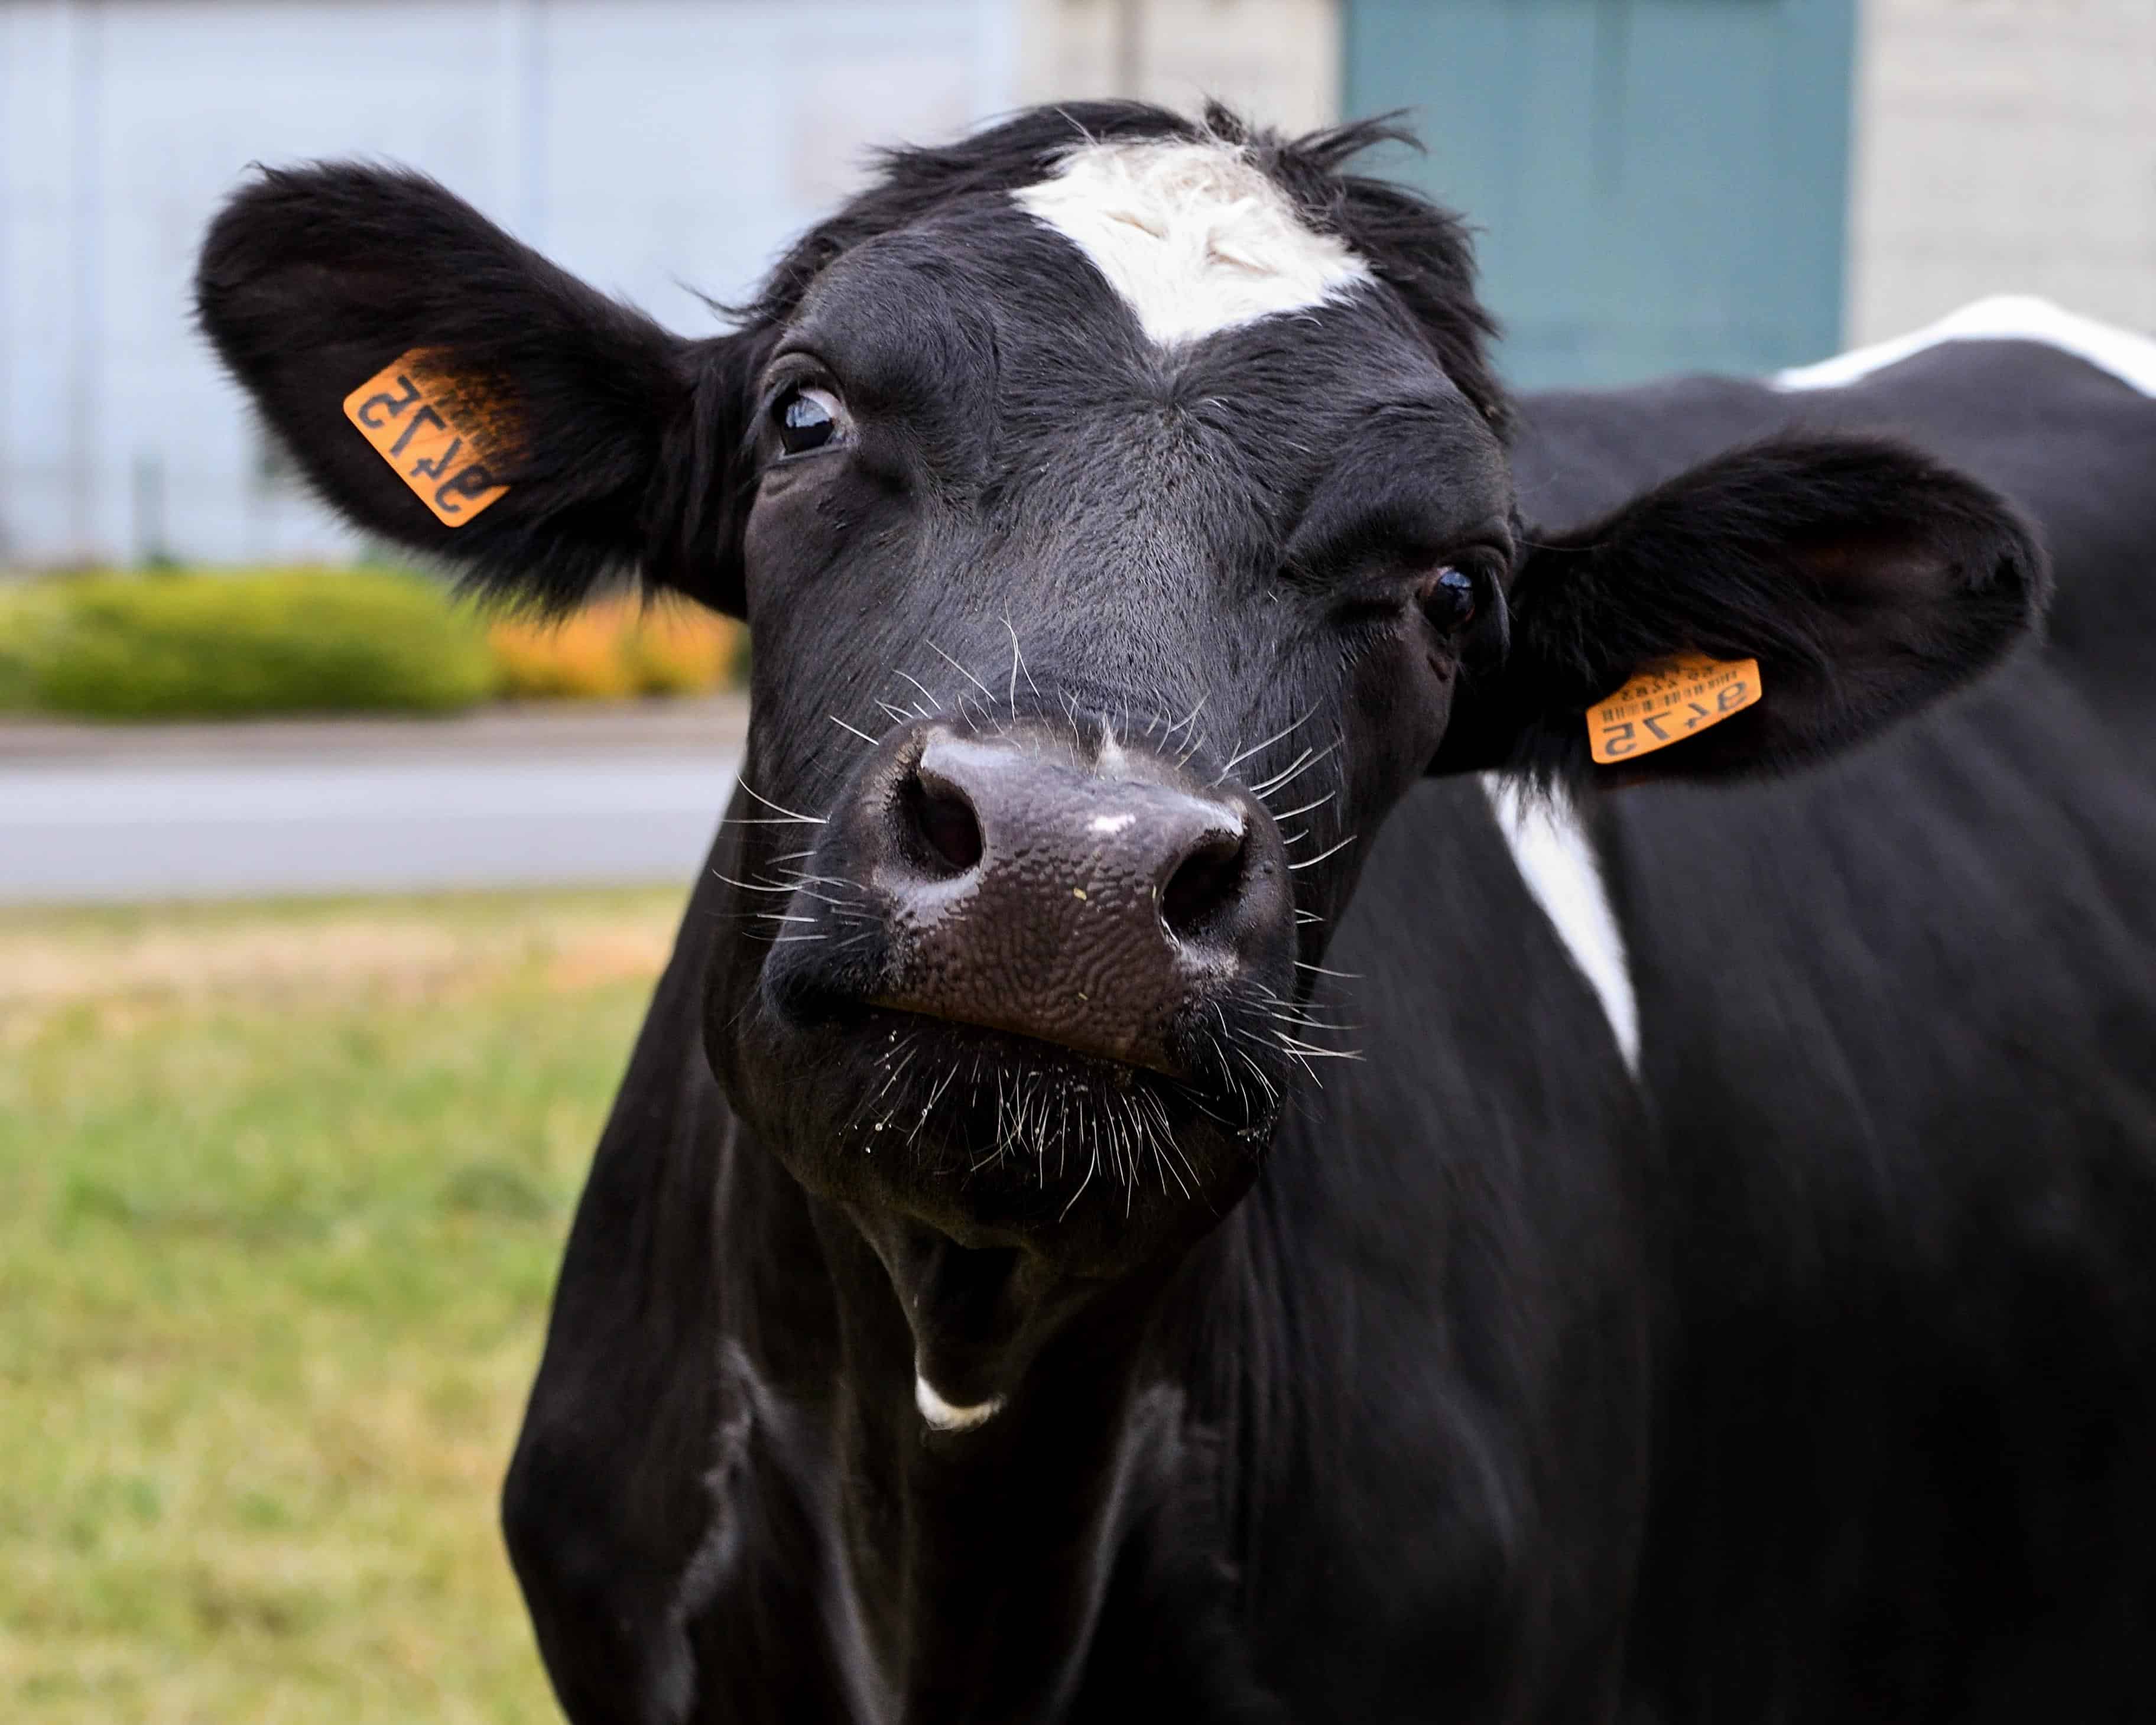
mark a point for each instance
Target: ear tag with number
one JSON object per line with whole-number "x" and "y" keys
{"x": 1667, "y": 702}
{"x": 402, "y": 417}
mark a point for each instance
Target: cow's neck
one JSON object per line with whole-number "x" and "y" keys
{"x": 980, "y": 1559}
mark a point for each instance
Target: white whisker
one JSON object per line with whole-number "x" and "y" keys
{"x": 962, "y": 670}
{"x": 935, "y": 700}
{"x": 1235, "y": 760}
{"x": 1017, "y": 665}
{"x": 813, "y": 820}
{"x": 1187, "y": 719}
{"x": 750, "y": 885}
{"x": 1334, "y": 850}
{"x": 1295, "y": 1046}
{"x": 1301, "y": 764}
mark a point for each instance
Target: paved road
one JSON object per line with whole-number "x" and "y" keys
{"x": 86, "y": 816}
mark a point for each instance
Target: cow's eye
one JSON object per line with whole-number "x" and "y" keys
{"x": 806, "y": 420}
{"x": 1448, "y": 599}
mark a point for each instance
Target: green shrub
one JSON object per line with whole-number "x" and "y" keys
{"x": 14, "y": 662}
{"x": 265, "y": 641}
{"x": 28, "y": 610}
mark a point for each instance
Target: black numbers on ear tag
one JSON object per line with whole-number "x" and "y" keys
{"x": 473, "y": 482}
{"x": 393, "y": 405}
{"x": 424, "y": 469}
{"x": 425, "y": 416}
{"x": 1637, "y": 719}
{"x": 409, "y": 425}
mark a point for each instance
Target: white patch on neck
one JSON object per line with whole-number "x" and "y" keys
{"x": 1555, "y": 857}
{"x": 2005, "y": 317}
{"x": 945, "y": 1416}
{"x": 1195, "y": 236}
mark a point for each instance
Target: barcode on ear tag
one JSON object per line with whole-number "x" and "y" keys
{"x": 397, "y": 412}
{"x": 1667, "y": 702}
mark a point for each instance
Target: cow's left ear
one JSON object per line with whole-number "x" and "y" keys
{"x": 1865, "y": 579}
{"x": 447, "y": 388}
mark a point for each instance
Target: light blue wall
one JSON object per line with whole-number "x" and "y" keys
{"x": 654, "y": 146}
{"x": 1660, "y": 184}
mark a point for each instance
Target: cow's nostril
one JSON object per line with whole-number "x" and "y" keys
{"x": 1204, "y": 883}
{"x": 946, "y": 831}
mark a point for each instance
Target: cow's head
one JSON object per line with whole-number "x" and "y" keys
{"x": 1123, "y": 510}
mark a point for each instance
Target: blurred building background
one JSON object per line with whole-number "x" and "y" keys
{"x": 1662, "y": 184}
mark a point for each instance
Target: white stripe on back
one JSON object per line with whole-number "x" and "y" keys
{"x": 2005, "y": 317}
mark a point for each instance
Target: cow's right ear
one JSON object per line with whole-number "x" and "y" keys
{"x": 615, "y": 445}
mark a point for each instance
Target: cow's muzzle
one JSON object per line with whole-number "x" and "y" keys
{"x": 1084, "y": 894}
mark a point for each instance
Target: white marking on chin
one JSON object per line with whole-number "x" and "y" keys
{"x": 1195, "y": 236}
{"x": 2003, "y": 317}
{"x": 1556, "y": 858}
{"x": 1108, "y": 825}
{"x": 944, "y": 1416}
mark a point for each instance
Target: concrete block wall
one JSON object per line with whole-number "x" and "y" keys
{"x": 1277, "y": 60}
{"x": 2003, "y": 146}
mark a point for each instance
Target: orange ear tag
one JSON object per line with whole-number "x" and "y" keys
{"x": 1667, "y": 702}
{"x": 403, "y": 419}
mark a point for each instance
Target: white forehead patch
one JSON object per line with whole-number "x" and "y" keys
{"x": 1195, "y": 236}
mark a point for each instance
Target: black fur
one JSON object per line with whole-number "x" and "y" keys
{"x": 1802, "y": 1375}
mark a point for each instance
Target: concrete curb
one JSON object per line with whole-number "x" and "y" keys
{"x": 706, "y": 726}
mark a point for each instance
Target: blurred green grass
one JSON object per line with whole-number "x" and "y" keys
{"x": 282, "y": 1194}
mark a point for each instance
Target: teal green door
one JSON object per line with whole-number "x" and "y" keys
{"x": 1659, "y": 185}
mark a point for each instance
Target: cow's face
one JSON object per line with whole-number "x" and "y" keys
{"x": 1123, "y": 518}
{"x": 1114, "y": 550}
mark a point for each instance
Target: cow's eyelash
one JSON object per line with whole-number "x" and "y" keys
{"x": 791, "y": 372}
{"x": 1378, "y": 575}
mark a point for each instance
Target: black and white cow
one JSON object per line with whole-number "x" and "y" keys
{"x": 1195, "y": 1159}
